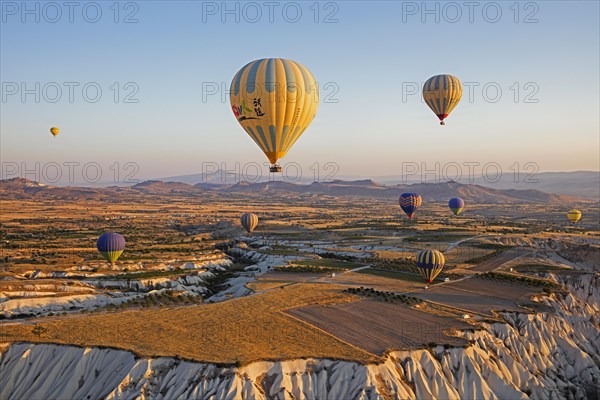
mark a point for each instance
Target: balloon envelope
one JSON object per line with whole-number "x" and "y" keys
{"x": 430, "y": 263}
{"x": 249, "y": 221}
{"x": 409, "y": 202}
{"x": 574, "y": 215}
{"x": 54, "y": 131}
{"x": 442, "y": 94}
{"x": 111, "y": 245}
{"x": 274, "y": 100}
{"x": 456, "y": 204}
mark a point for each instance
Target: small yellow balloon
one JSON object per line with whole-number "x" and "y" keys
{"x": 54, "y": 131}
{"x": 574, "y": 215}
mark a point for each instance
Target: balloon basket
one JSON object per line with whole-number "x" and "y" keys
{"x": 275, "y": 168}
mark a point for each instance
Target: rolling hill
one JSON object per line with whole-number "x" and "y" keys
{"x": 20, "y": 188}
{"x": 585, "y": 184}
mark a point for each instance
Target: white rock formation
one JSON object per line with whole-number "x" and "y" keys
{"x": 539, "y": 356}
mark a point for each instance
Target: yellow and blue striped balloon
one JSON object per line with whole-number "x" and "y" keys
{"x": 274, "y": 100}
{"x": 249, "y": 221}
{"x": 442, "y": 94}
{"x": 430, "y": 263}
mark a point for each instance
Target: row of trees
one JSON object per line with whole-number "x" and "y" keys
{"x": 384, "y": 295}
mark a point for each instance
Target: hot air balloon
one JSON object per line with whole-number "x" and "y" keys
{"x": 430, "y": 263}
{"x": 111, "y": 245}
{"x": 409, "y": 202}
{"x": 574, "y": 215}
{"x": 54, "y": 131}
{"x": 442, "y": 94}
{"x": 456, "y": 204}
{"x": 249, "y": 221}
{"x": 274, "y": 100}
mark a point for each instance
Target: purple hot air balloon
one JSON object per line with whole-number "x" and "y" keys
{"x": 456, "y": 204}
{"x": 111, "y": 245}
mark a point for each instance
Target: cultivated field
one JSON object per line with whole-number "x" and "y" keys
{"x": 480, "y": 296}
{"x": 376, "y": 326}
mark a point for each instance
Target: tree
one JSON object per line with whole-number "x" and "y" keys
{"x": 39, "y": 330}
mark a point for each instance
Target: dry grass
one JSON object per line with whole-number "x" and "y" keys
{"x": 357, "y": 279}
{"x": 261, "y": 285}
{"x": 240, "y": 330}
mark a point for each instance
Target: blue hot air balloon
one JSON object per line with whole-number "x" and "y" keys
{"x": 111, "y": 245}
{"x": 409, "y": 202}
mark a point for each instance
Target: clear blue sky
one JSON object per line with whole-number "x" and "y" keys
{"x": 368, "y": 55}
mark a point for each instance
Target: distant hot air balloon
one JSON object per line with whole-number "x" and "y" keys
{"x": 442, "y": 94}
{"x": 574, "y": 215}
{"x": 409, "y": 202}
{"x": 111, "y": 245}
{"x": 430, "y": 263}
{"x": 249, "y": 221}
{"x": 54, "y": 131}
{"x": 274, "y": 100}
{"x": 456, "y": 204}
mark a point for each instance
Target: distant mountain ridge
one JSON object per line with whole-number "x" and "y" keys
{"x": 584, "y": 184}
{"x": 576, "y": 183}
{"x": 19, "y": 188}
{"x": 429, "y": 191}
